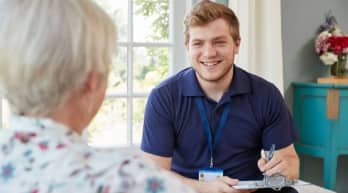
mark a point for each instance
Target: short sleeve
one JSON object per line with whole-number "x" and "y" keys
{"x": 158, "y": 131}
{"x": 278, "y": 124}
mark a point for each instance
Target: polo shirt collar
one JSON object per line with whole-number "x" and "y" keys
{"x": 240, "y": 83}
{"x": 190, "y": 85}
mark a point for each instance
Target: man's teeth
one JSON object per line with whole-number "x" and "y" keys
{"x": 209, "y": 63}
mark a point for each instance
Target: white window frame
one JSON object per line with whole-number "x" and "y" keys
{"x": 177, "y": 59}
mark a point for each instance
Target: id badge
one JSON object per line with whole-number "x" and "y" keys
{"x": 208, "y": 174}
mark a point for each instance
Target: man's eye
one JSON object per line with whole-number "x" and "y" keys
{"x": 196, "y": 44}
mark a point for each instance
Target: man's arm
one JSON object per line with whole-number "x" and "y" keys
{"x": 220, "y": 185}
{"x": 285, "y": 161}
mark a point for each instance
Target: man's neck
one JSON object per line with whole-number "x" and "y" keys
{"x": 216, "y": 89}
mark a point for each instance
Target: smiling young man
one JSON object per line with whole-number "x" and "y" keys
{"x": 209, "y": 122}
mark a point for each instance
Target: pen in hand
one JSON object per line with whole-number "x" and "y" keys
{"x": 270, "y": 153}
{"x": 268, "y": 157}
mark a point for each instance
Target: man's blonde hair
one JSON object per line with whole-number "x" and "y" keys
{"x": 47, "y": 49}
{"x": 207, "y": 11}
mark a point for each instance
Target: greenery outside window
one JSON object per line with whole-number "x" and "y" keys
{"x": 145, "y": 58}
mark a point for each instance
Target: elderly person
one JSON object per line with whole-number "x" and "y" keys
{"x": 54, "y": 63}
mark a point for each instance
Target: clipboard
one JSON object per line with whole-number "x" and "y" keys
{"x": 258, "y": 184}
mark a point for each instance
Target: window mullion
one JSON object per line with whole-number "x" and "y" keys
{"x": 130, "y": 74}
{"x": 177, "y": 60}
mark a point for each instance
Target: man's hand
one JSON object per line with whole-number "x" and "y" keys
{"x": 285, "y": 162}
{"x": 220, "y": 185}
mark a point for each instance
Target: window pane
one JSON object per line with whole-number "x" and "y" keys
{"x": 118, "y": 73}
{"x": 118, "y": 10}
{"x": 151, "y": 20}
{"x": 150, "y": 67}
{"x": 138, "y": 119}
{"x": 109, "y": 127}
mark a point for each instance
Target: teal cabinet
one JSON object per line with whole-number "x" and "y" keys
{"x": 321, "y": 120}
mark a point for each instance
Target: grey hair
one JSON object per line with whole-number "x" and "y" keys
{"x": 48, "y": 48}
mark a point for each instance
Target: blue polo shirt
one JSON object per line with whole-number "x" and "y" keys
{"x": 258, "y": 118}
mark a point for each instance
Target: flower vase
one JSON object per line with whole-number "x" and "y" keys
{"x": 338, "y": 69}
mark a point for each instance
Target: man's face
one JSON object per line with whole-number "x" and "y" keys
{"x": 211, "y": 49}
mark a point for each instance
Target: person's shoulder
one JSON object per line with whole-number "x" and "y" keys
{"x": 107, "y": 169}
{"x": 259, "y": 84}
{"x": 128, "y": 159}
{"x": 176, "y": 80}
{"x": 114, "y": 166}
{"x": 112, "y": 154}
{"x": 128, "y": 165}
{"x": 174, "y": 86}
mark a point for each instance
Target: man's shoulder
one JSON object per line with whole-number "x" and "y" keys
{"x": 177, "y": 81}
{"x": 258, "y": 83}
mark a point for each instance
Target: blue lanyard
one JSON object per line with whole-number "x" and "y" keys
{"x": 212, "y": 143}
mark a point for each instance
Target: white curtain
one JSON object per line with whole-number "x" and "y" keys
{"x": 261, "y": 46}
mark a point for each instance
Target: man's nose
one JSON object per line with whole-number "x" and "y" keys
{"x": 209, "y": 50}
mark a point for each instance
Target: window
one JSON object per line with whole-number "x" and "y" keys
{"x": 149, "y": 36}
{"x": 150, "y": 48}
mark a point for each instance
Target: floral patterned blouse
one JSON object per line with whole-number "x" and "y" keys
{"x": 41, "y": 156}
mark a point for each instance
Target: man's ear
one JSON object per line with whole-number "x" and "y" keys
{"x": 237, "y": 44}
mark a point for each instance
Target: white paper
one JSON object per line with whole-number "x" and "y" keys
{"x": 257, "y": 184}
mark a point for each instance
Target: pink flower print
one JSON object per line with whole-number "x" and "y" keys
{"x": 24, "y": 137}
{"x": 60, "y": 146}
{"x": 43, "y": 145}
{"x": 35, "y": 191}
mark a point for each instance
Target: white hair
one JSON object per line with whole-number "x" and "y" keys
{"x": 48, "y": 48}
